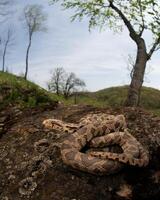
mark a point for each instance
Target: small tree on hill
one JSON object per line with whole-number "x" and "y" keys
{"x": 138, "y": 16}
{"x": 4, "y": 13}
{"x": 72, "y": 84}
{"x": 7, "y": 42}
{"x": 57, "y": 80}
{"x": 35, "y": 19}
{"x": 64, "y": 83}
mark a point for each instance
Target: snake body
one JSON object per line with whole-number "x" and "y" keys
{"x": 133, "y": 152}
{"x": 99, "y": 130}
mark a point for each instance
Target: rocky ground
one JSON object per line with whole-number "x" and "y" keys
{"x": 31, "y": 165}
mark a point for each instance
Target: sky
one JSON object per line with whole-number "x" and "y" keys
{"x": 97, "y": 57}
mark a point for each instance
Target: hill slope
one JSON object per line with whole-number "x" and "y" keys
{"x": 15, "y": 90}
{"x": 150, "y": 97}
{"x": 115, "y": 97}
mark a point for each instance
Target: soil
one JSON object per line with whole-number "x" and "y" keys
{"x": 31, "y": 165}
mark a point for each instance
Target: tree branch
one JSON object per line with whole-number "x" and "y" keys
{"x": 142, "y": 18}
{"x": 154, "y": 48}
{"x": 132, "y": 32}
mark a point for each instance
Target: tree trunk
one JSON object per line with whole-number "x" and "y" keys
{"x": 4, "y": 55}
{"x": 75, "y": 97}
{"x": 27, "y": 55}
{"x": 66, "y": 95}
{"x": 57, "y": 87}
{"x": 133, "y": 98}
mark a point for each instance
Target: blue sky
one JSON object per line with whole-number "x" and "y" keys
{"x": 99, "y": 58}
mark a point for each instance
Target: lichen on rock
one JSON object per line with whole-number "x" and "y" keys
{"x": 27, "y": 186}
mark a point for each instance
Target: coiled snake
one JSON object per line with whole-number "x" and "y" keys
{"x": 99, "y": 130}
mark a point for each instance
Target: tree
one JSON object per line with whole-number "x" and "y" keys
{"x": 130, "y": 68}
{"x": 7, "y": 42}
{"x": 64, "y": 83}
{"x": 138, "y": 16}
{"x": 72, "y": 84}
{"x": 35, "y": 21}
{"x": 57, "y": 80}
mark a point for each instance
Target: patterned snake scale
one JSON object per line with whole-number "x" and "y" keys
{"x": 99, "y": 130}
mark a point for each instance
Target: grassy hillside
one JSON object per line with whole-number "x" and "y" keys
{"x": 15, "y": 90}
{"x": 150, "y": 97}
{"x": 115, "y": 97}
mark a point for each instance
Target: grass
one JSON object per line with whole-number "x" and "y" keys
{"x": 15, "y": 90}
{"x": 115, "y": 97}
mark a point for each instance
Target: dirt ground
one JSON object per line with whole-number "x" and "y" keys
{"x": 31, "y": 165}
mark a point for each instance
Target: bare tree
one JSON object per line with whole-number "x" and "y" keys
{"x": 57, "y": 80}
{"x": 72, "y": 84}
{"x": 4, "y": 11}
{"x": 64, "y": 83}
{"x": 35, "y": 21}
{"x": 7, "y": 43}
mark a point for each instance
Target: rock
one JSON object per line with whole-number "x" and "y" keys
{"x": 125, "y": 191}
{"x": 41, "y": 145}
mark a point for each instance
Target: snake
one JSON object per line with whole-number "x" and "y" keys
{"x": 95, "y": 131}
